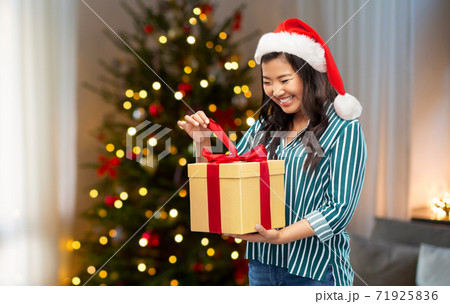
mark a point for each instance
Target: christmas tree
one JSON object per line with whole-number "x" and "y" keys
{"x": 179, "y": 60}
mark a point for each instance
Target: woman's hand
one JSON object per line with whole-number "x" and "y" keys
{"x": 271, "y": 236}
{"x": 196, "y": 126}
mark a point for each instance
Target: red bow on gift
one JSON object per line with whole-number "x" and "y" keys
{"x": 258, "y": 154}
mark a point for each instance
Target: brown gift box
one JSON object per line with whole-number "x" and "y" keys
{"x": 240, "y": 201}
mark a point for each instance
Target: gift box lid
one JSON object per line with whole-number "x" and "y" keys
{"x": 239, "y": 169}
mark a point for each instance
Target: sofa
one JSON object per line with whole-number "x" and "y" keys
{"x": 402, "y": 254}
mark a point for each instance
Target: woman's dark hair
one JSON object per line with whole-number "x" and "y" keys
{"x": 317, "y": 94}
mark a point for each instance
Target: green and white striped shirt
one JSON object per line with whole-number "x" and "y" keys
{"x": 327, "y": 199}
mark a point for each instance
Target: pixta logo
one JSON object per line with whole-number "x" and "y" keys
{"x": 146, "y": 136}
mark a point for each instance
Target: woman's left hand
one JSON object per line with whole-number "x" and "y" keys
{"x": 271, "y": 236}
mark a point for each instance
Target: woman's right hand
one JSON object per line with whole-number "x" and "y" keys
{"x": 196, "y": 126}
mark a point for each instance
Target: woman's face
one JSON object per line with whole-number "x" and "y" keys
{"x": 282, "y": 84}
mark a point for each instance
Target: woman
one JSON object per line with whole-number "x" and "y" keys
{"x": 324, "y": 154}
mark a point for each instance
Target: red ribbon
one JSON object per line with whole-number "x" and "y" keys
{"x": 258, "y": 154}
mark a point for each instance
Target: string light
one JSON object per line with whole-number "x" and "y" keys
{"x": 129, "y": 93}
{"x": 187, "y": 69}
{"x": 148, "y": 213}
{"x": 211, "y": 78}
{"x": 204, "y": 83}
{"x": 208, "y": 267}
{"x": 118, "y": 204}
{"x": 193, "y": 21}
{"x": 102, "y": 213}
{"x": 173, "y": 213}
{"x": 249, "y": 113}
{"x": 190, "y": 39}
{"x": 152, "y": 271}
{"x": 178, "y": 95}
{"x": 197, "y": 11}
{"x": 212, "y": 108}
{"x": 163, "y": 215}
{"x": 172, "y": 259}
{"x": 237, "y": 121}
{"x": 233, "y": 136}
{"x": 174, "y": 283}
{"x": 76, "y": 281}
{"x": 203, "y": 17}
{"x": 131, "y": 131}
{"x": 173, "y": 150}
{"x": 123, "y": 196}
{"x": 143, "y": 94}
{"x": 237, "y": 89}
{"x": 109, "y": 147}
{"x": 237, "y": 241}
{"x": 209, "y": 44}
{"x": 76, "y": 245}
{"x": 210, "y": 252}
{"x": 120, "y": 153}
{"x": 93, "y": 193}
{"x": 127, "y": 105}
{"x": 91, "y": 269}
{"x": 234, "y": 65}
{"x": 103, "y": 274}
{"x": 143, "y": 242}
{"x": 251, "y": 63}
{"x": 245, "y": 88}
{"x": 143, "y": 191}
{"x": 234, "y": 255}
{"x": 250, "y": 121}
{"x": 141, "y": 267}
{"x": 156, "y": 86}
{"x": 218, "y": 48}
{"x": 223, "y": 35}
{"x": 162, "y": 39}
{"x": 178, "y": 238}
{"x": 248, "y": 94}
{"x": 204, "y": 241}
{"x": 136, "y": 96}
{"x": 136, "y": 150}
{"x": 152, "y": 141}
{"x": 182, "y": 193}
{"x": 112, "y": 233}
{"x": 182, "y": 161}
{"x": 103, "y": 240}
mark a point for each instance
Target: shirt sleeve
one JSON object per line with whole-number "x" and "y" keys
{"x": 347, "y": 167}
{"x": 247, "y": 141}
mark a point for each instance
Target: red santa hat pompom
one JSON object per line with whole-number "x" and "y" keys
{"x": 295, "y": 37}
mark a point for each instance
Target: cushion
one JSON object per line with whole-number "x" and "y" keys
{"x": 433, "y": 266}
{"x": 381, "y": 263}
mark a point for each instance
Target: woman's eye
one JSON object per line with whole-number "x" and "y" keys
{"x": 285, "y": 81}
{"x": 266, "y": 83}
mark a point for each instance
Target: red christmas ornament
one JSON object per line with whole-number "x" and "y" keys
{"x": 206, "y": 8}
{"x": 237, "y": 21}
{"x": 155, "y": 109}
{"x": 152, "y": 239}
{"x": 148, "y": 29}
{"x": 225, "y": 118}
{"x": 108, "y": 166}
{"x": 185, "y": 88}
{"x": 110, "y": 199}
{"x": 197, "y": 267}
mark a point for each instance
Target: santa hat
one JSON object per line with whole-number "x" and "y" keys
{"x": 295, "y": 37}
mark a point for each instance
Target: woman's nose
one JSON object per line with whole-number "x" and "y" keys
{"x": 278, "y": 90}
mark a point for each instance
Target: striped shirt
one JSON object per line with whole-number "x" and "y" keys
{"x": 327, "y": 199}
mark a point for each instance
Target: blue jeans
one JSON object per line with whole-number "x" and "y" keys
{"x": 260, "y": 274}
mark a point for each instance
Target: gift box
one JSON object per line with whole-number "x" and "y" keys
{"x": 232, "y": 193}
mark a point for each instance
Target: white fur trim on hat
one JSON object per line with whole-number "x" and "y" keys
{"x": 300, "y": 45}
{"x": 347, "y": 106}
